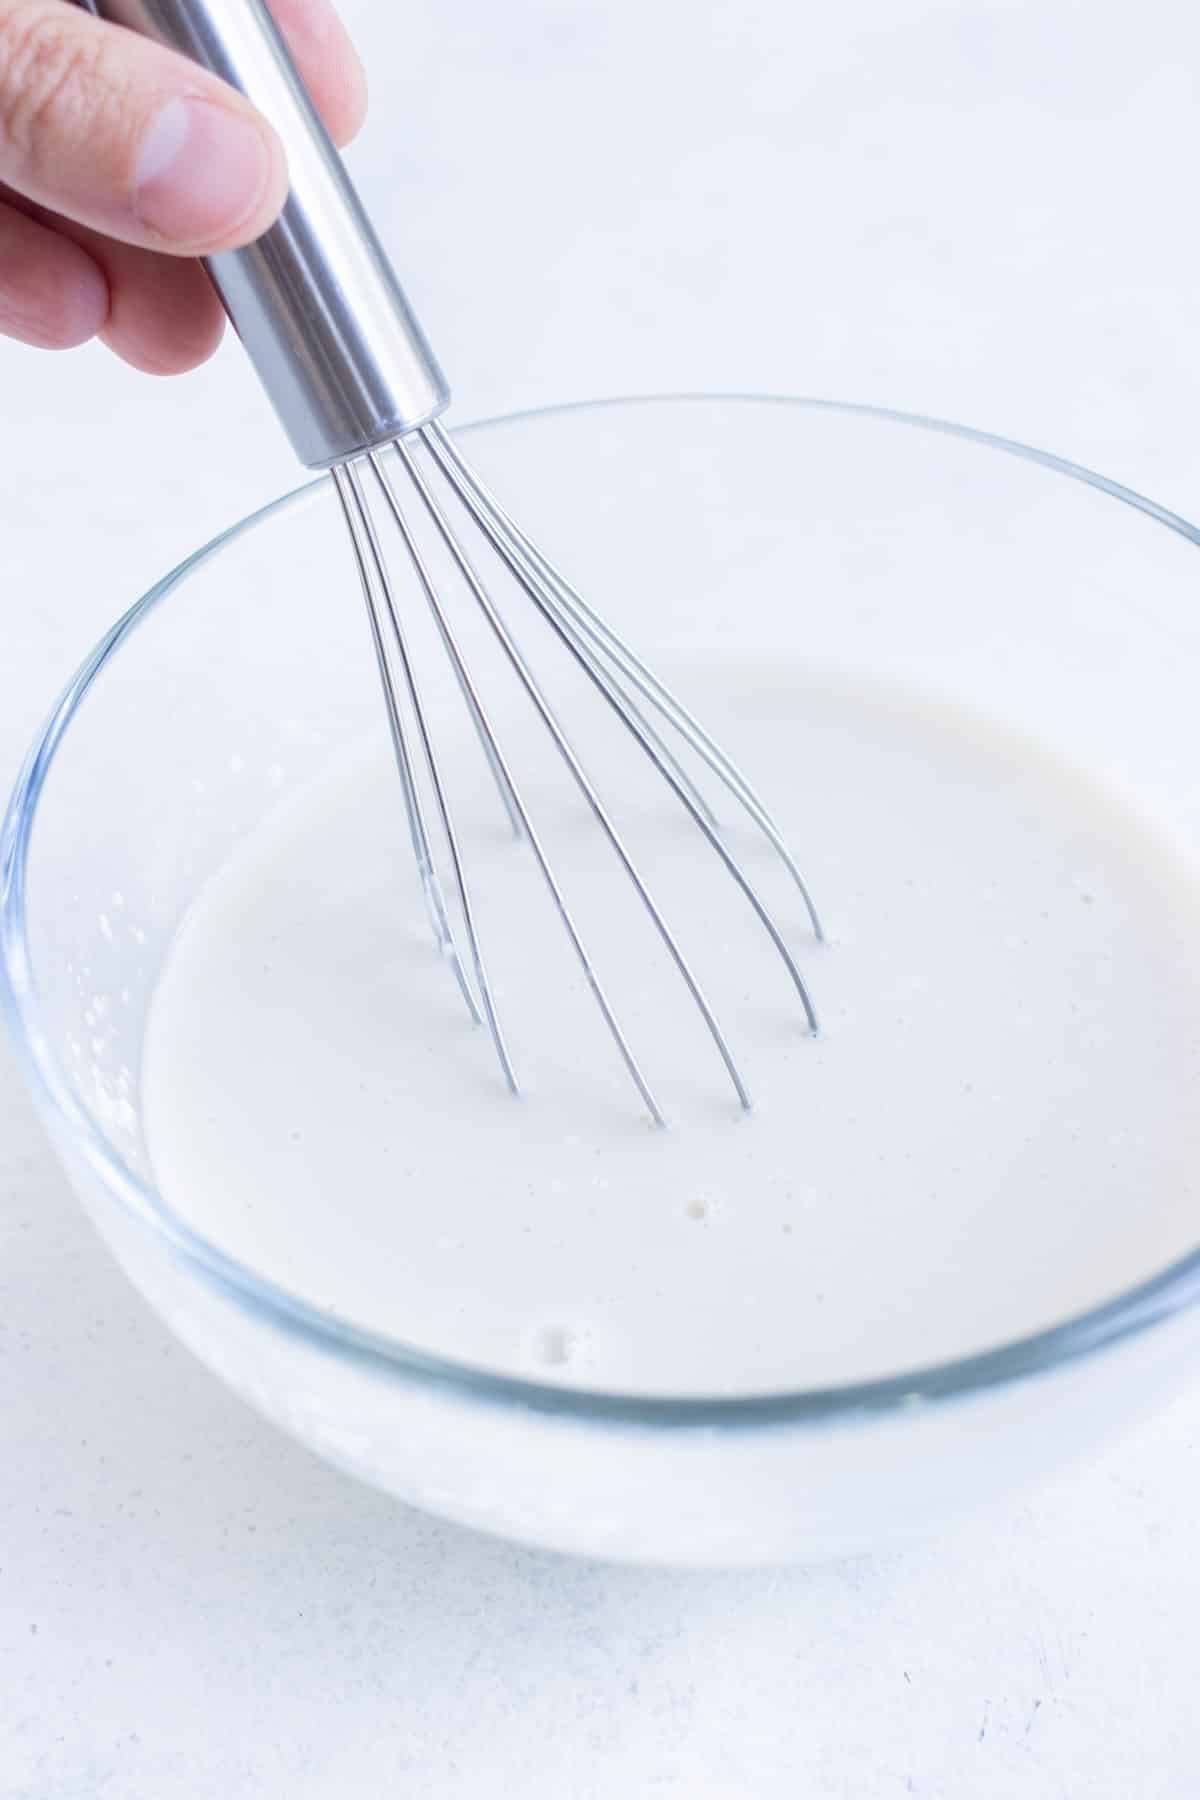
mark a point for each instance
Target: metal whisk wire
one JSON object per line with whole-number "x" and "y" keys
{"x": 376, "y": 581}
{"x": 602, "y": 657}
{"x": 593, "y": 633}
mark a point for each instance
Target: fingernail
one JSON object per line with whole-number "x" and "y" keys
{"x": 201, "y": 173}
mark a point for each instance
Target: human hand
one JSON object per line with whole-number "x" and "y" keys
{"x": 122, "y": 162}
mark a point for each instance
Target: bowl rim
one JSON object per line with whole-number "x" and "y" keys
{"x": 1126, "y": 1315}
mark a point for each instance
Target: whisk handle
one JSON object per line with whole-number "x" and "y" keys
{"x": 315, "y": 299}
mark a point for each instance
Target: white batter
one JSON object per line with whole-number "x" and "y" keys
{"x": 997, "y": 1128}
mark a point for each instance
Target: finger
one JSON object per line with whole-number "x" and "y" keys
{"x": 164, "y": 317}
{"x": 163, "y": 314}
{"x": 52, "y": 293}
{"x": 328, "y": 63}
{"x": 130, "y": 139}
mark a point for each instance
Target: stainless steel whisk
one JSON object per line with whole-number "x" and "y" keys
{"x": 359, "y": 392}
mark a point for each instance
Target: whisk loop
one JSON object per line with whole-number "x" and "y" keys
{"x": 407, "y": 490}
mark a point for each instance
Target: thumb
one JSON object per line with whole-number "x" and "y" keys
{"x": 115, "y": 132}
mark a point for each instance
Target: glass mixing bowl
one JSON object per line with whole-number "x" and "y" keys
{"x": 1000, "y": 575}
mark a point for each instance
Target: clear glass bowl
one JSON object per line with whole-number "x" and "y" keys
{"x": 1002, "y": 575}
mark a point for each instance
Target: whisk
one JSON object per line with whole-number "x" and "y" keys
{"x": 359, "y": 392}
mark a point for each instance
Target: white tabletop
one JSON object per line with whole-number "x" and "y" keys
{"x": 962, "y": 207}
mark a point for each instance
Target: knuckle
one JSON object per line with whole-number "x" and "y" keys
{"x": 47, "y": 74}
